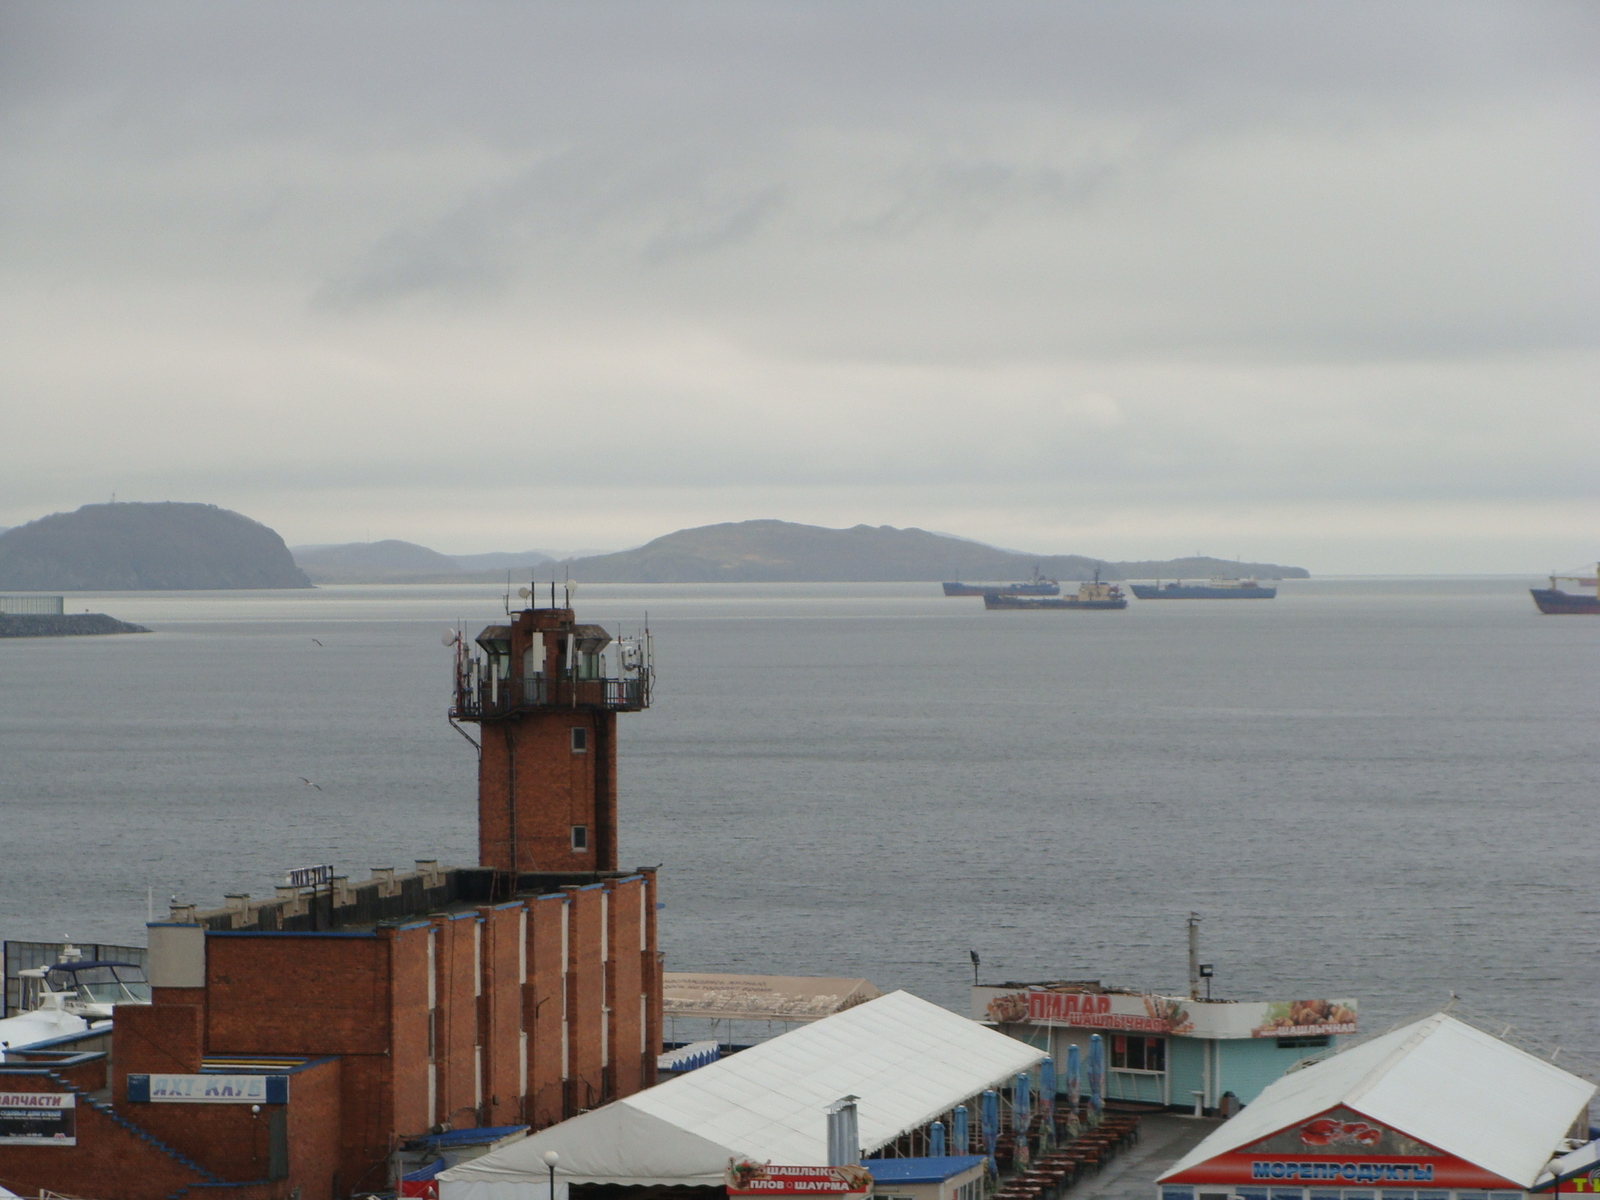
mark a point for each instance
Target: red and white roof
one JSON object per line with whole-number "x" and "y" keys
{"x": 1437, "y": 1093}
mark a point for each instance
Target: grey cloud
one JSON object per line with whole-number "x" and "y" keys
{"x": 734, "y": 229}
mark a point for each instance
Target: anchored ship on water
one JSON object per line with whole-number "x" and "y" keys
{"x": 1090, "y": 595}
{"x": 1217, "y": 589}
{"x": 1553, "y": 601}
{"x": 1037, "y": 586}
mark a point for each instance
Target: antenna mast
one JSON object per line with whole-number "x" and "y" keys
{"x": 1194, "y": 956}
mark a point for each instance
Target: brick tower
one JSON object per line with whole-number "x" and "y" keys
{"x": 546, "y": 692}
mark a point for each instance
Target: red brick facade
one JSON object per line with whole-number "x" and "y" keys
{"x": 412, "y": 1004}
{"x": 546, "y": 771}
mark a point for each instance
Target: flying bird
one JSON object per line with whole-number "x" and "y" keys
{"x": 307, "y": 782}
{"x": 315, "y": 640}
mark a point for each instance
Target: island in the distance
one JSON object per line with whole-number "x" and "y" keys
{"x": 145, "y": 547}
{"x": 759, "y": 552}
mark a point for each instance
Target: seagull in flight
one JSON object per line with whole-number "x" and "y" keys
{"x": 307, "y": 782}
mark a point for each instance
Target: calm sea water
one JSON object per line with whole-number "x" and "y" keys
{"x": 1379, "y": 789}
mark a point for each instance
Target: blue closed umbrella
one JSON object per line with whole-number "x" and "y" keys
{"x": 1047, "y": 1090}
{"x": 960, "y": 1136}
{"x": 1021, "y": 1102}
{"x": 990, "y": 1120}
{"x": 1074, "y": 1078}
{"x": 936, "y": 1140}
{"x": 1097, "y": 1075}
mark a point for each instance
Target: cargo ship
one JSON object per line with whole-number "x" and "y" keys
{"x": 1090, "y": 595}
{"x": 1037, "y": 586}
{"x": 1552, "y": 601}
{"x": 1217, "y": 589}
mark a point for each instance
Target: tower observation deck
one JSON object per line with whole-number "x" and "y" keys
{"x": 546, "y": 692}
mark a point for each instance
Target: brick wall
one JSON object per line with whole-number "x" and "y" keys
{"x": 651, "y": 978}
{"x": 500, "y": 1013}
{"x": 297, "y": 993}
{"x": 166, "y": 1037}
{"x": 555, "y": 790}
{"x": 316, "y": 1118}
{"x": 624, "y": 986}
{"x": 365, "y": 1139}
{"x": 585, "y": 999}
{"x": 544, "y": 1000}
{"x": 456, "y": 1020}
{"x": 409, "y": 990}
{"x": 110, "y": 1161}
{"x": 364, "y": 1001}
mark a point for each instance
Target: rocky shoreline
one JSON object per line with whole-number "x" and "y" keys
{"x": 19, "y": 625}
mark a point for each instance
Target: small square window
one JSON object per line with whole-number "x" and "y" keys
{"x": 580, "y": 837}
{"x": 580, "y": 740}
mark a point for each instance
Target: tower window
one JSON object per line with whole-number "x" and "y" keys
{"x": 580, "y": 740}
{"x": 580, "y": 837}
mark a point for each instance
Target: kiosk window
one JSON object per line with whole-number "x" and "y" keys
{"x": 1177, "y": 1193}
{"x": 1138, "y": 1053}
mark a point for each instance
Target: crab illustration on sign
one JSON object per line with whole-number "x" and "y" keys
{"x": 1326, "y": 1131}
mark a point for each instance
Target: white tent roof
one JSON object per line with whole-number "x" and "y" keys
{"x": 907, "y": 1060}
{"x": 1439, "y": 1081}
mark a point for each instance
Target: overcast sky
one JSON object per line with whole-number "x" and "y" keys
{"x": 1309, "y": 282}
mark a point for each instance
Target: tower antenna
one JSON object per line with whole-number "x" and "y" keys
{"x": 1194, "y": 956}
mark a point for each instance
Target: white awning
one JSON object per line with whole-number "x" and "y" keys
{"x": 907, "y": 1061}
{"x": 1437, "y": 1080}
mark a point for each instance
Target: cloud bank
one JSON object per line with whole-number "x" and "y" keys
{"x": 1310, "y": 283}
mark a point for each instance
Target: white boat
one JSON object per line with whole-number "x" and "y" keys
{"x": 70, "y": 996}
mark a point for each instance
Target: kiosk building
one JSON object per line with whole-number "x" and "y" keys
{"x": 1435, "y": 1110}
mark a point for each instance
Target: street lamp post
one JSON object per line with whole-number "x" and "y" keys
{"x": 551, "y": 1158}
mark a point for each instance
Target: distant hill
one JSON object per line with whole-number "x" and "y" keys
{"x": 406, "y": 562}
{"x": 501, "y": 561}
{"x": 372, "y": 562}
{"x": 782, "y": 552}
{"x": 139, "y": 547}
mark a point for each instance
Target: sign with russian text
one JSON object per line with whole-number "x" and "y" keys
{"x": 1306, "y": 1018}
{"x": 764, "y": 1179}
{"x": 1348, "y": 1170}
{"x": 1091, "y": 1010}
{"x": 38, "y": 1119}
{"x": 1134, "y": 1012}
{"x": 1366, "y": 1171}
{"x": 310, "y": 876}
{"x": 211, "y": 1089}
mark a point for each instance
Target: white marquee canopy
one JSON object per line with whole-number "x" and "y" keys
{"x": 906, "y": 1060}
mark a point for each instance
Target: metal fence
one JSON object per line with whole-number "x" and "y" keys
{"x": 33, "y": 606}
{"x": 26, "y": 956}
{"x": 492, "y": 698}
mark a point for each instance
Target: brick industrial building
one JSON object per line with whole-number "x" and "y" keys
{"x": 295, "y": 1044}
